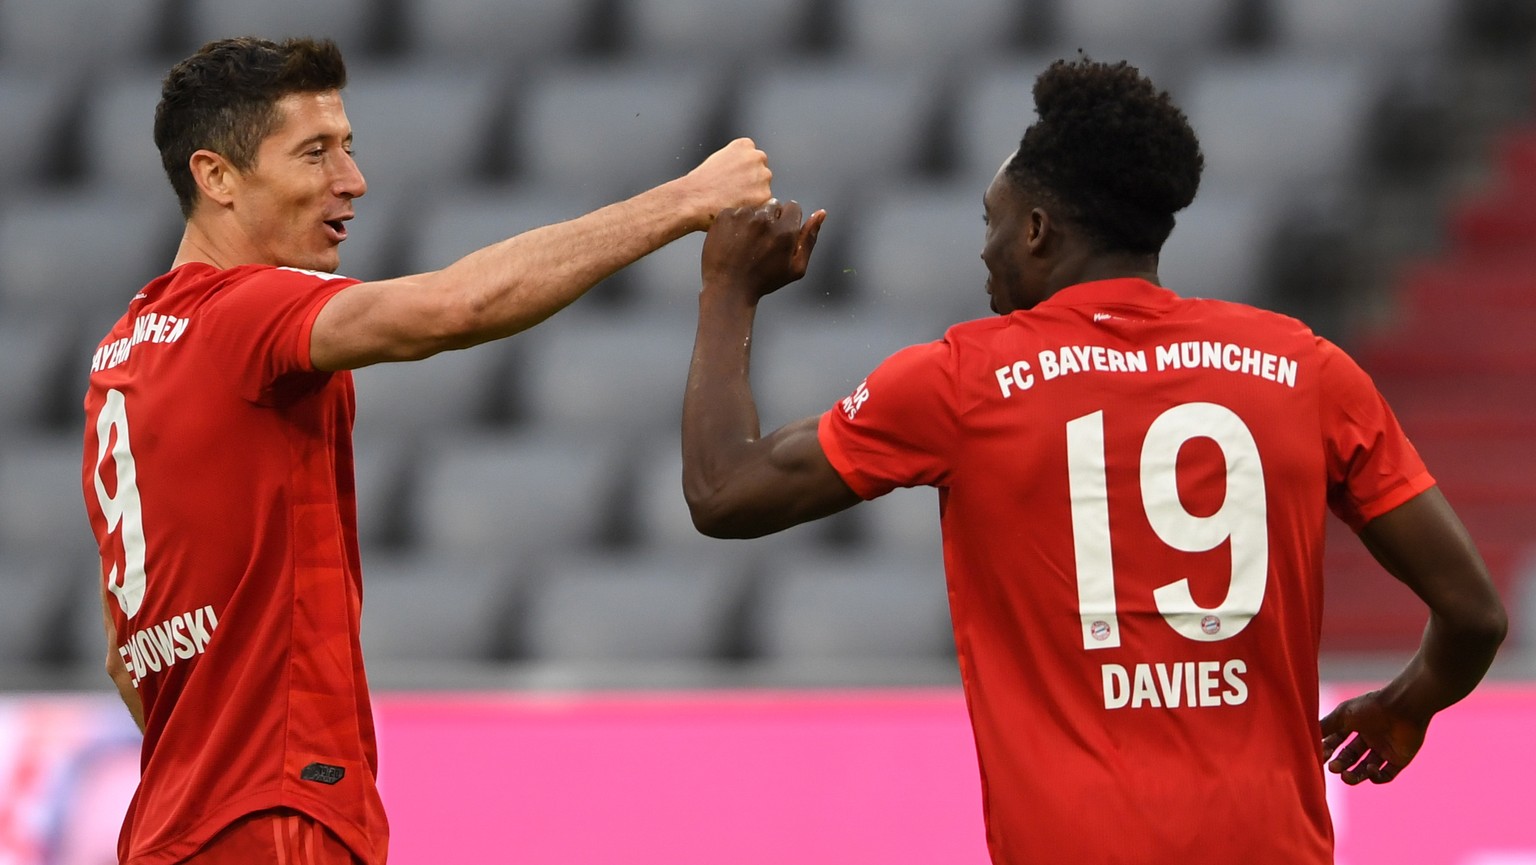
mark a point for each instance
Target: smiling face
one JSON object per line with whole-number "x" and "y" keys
{"x": 1015, "y": 227}
{"x": 292, "y": 204}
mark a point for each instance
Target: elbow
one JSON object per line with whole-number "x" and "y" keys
{"x": 715, "y": 519}
{"x": 1485, "y": 627}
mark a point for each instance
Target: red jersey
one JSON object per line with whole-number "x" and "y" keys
{"x": 218, "y": 481}
{"x": 1133, "y": 488}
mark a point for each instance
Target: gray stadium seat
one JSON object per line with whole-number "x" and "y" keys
{"x": 1385, "y": 27}
{"x": 832, "y": 126}
{"x": 804, "y": 364}
{"x": 42, "y": 509}
{"x": 614, "y": 129}
{"x": 35, "y": 107}
{"x": 716, "y": 28}
{"x": 82, "y": 253}
{"x": 668, "y": 280}
{"x": 1219, "y": 244}
{"x": 118, "y": 135}
{"x": 418, "y": 127}
{"x": 851, "y": 607}
{"x": 902, "y": 520}
{"x": 626, "y": 608}
{"x": 1280, "y": 121}
{"x": 32, "y": 364}
{"x": 38, "y": 591}
{"x": 377, "y": 234}
{"x": 916, "y": 255}
{"x": 488, "y": 493}
{"x": 352, "y": 23}
{"x": 452, "y": 389}
{"x": 614, "y": 371}
{"x": 526, "y": 30}
{"x": 910, "y": 28}
{"x": 1105, "y": 27}
{"x": 56, "y": 34}
{"x": 384, "y": 469}
{"x": 422, "y": 607}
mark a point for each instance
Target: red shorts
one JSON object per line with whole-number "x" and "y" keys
{"x": 277, "y": 837}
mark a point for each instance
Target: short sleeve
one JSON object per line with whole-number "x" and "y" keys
{"x": 897, "y": 429}
{"x": 264, "y": 318}
{"x": 1372, "y": 466}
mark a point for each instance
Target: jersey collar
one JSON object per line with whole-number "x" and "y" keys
{"x": 1113, "y": 292}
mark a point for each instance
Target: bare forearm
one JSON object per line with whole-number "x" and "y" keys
{"x": 720, "y": 421}
{"x": 515, "y": 284}
{"x": 1452, "y": 659}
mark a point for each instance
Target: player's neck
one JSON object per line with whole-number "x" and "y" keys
{"x": 198, "y": 244}
{"x": 1101, "y": 267}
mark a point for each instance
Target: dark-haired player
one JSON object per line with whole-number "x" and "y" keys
{"x": 1132, "y": 489}
{"x": 218, "y": 449}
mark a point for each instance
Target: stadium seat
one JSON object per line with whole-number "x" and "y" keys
{"x": 453, "y": 389}
{"x": 529, "y": 30}
{"x": 514, "y": 494}
{"x": 903, "y": 520}
{"x": 668, "y": 280}
{"x": 832, "y": 126}
{"x": 626, "y": 608}
{"x": 1219, "y": 243}
{"x": 718, "y": 29}
{"x": 916, "y": 255}
{"x": 33, "y": 357}
{"x": 859, "y": 606}
{"x": 117, "y": 135}
{"x": 1103, "y": 28}
{"x": 442, "y": 607}
{"x": 614, "y": 129}
{"x": 379, "y": 232}
{"x": 1281, "y": 121}
{"x": 354, "y": 24}
{"x": 803, "y": 364}
{"x": 1390, "y": 28}
{"x": 49, "y": 35}
{"x": 38, "y": 591}
{"x": 614, "y": 371}
{"x": 42, "y": 509}
{"x": 36, "y": 108}
{"x": 911, "y": 28}
{"x": 422, "y": 126}
{"x": 384, "y": 472}
{"x": 82, "y": 253}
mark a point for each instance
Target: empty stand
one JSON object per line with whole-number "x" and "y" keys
{"x": 455, "y": 220}
{"x": 117, "y": 134}
{"x": 1387, "y": 27}
{"x": 717, "y": 29}
{"x": 450, "y": 390}
{"x": 909, "y": 28}
{"x": 36, "y": 107}
{"x": 443, "y": 607}
{"x": 60, "y": 35}
{"x": 82, "y": 253}
{"x": 42, "y": 511}
{"x": 1218, "y": 245}
{"x": 625, "y": 608}
{"x": 615, "y": 128}
{"x": 352, "y": 23}
{"x": 493, "y": 30}
{"x": 1105, "y": 29}
{"x": 38, "y": 592}
{"x": 500, "y": 493}
{"x": 33, "y": 355}
{"x": 805, "y": 364}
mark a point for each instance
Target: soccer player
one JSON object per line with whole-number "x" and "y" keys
{"x": 1132, "y": 490}
{"x": 218, "y": 451}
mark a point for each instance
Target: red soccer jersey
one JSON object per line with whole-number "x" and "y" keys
{"x": 1133, "y": 488}
{"x": 218, "y": 480}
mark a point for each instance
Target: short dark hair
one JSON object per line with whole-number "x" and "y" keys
{"x": 1111, "y": 151}
{"x": 224, "y": 98}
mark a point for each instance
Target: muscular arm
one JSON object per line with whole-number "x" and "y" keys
{"x": 515, "y": 284}
{"x": 738, "y": 483}
{"x": 1423, "y": 544}
{"x": 118, "y": 671}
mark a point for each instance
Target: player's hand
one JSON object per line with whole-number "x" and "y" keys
{"x": 759, "y": 249}
{"x": 736, "y": 175}
{"x": 1365, "y": 739}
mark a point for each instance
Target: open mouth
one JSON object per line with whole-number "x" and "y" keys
{"x": 338, "y": 229}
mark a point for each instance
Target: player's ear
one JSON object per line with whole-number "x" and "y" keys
{"x": 1039, "y": 231}
{"x": 215, "y": 177}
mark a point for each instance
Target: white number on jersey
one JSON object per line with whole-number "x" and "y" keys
{"x": 124, "y": 509}
{"x": 1242, "y": 519}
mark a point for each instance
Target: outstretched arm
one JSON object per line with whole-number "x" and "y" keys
{"x": 739, "y": 483}
{"x": 1423, "y": 544}
{"x": 515, "y": 284}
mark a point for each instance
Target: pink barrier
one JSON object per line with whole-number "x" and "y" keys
{"x": 745, "y": 778}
